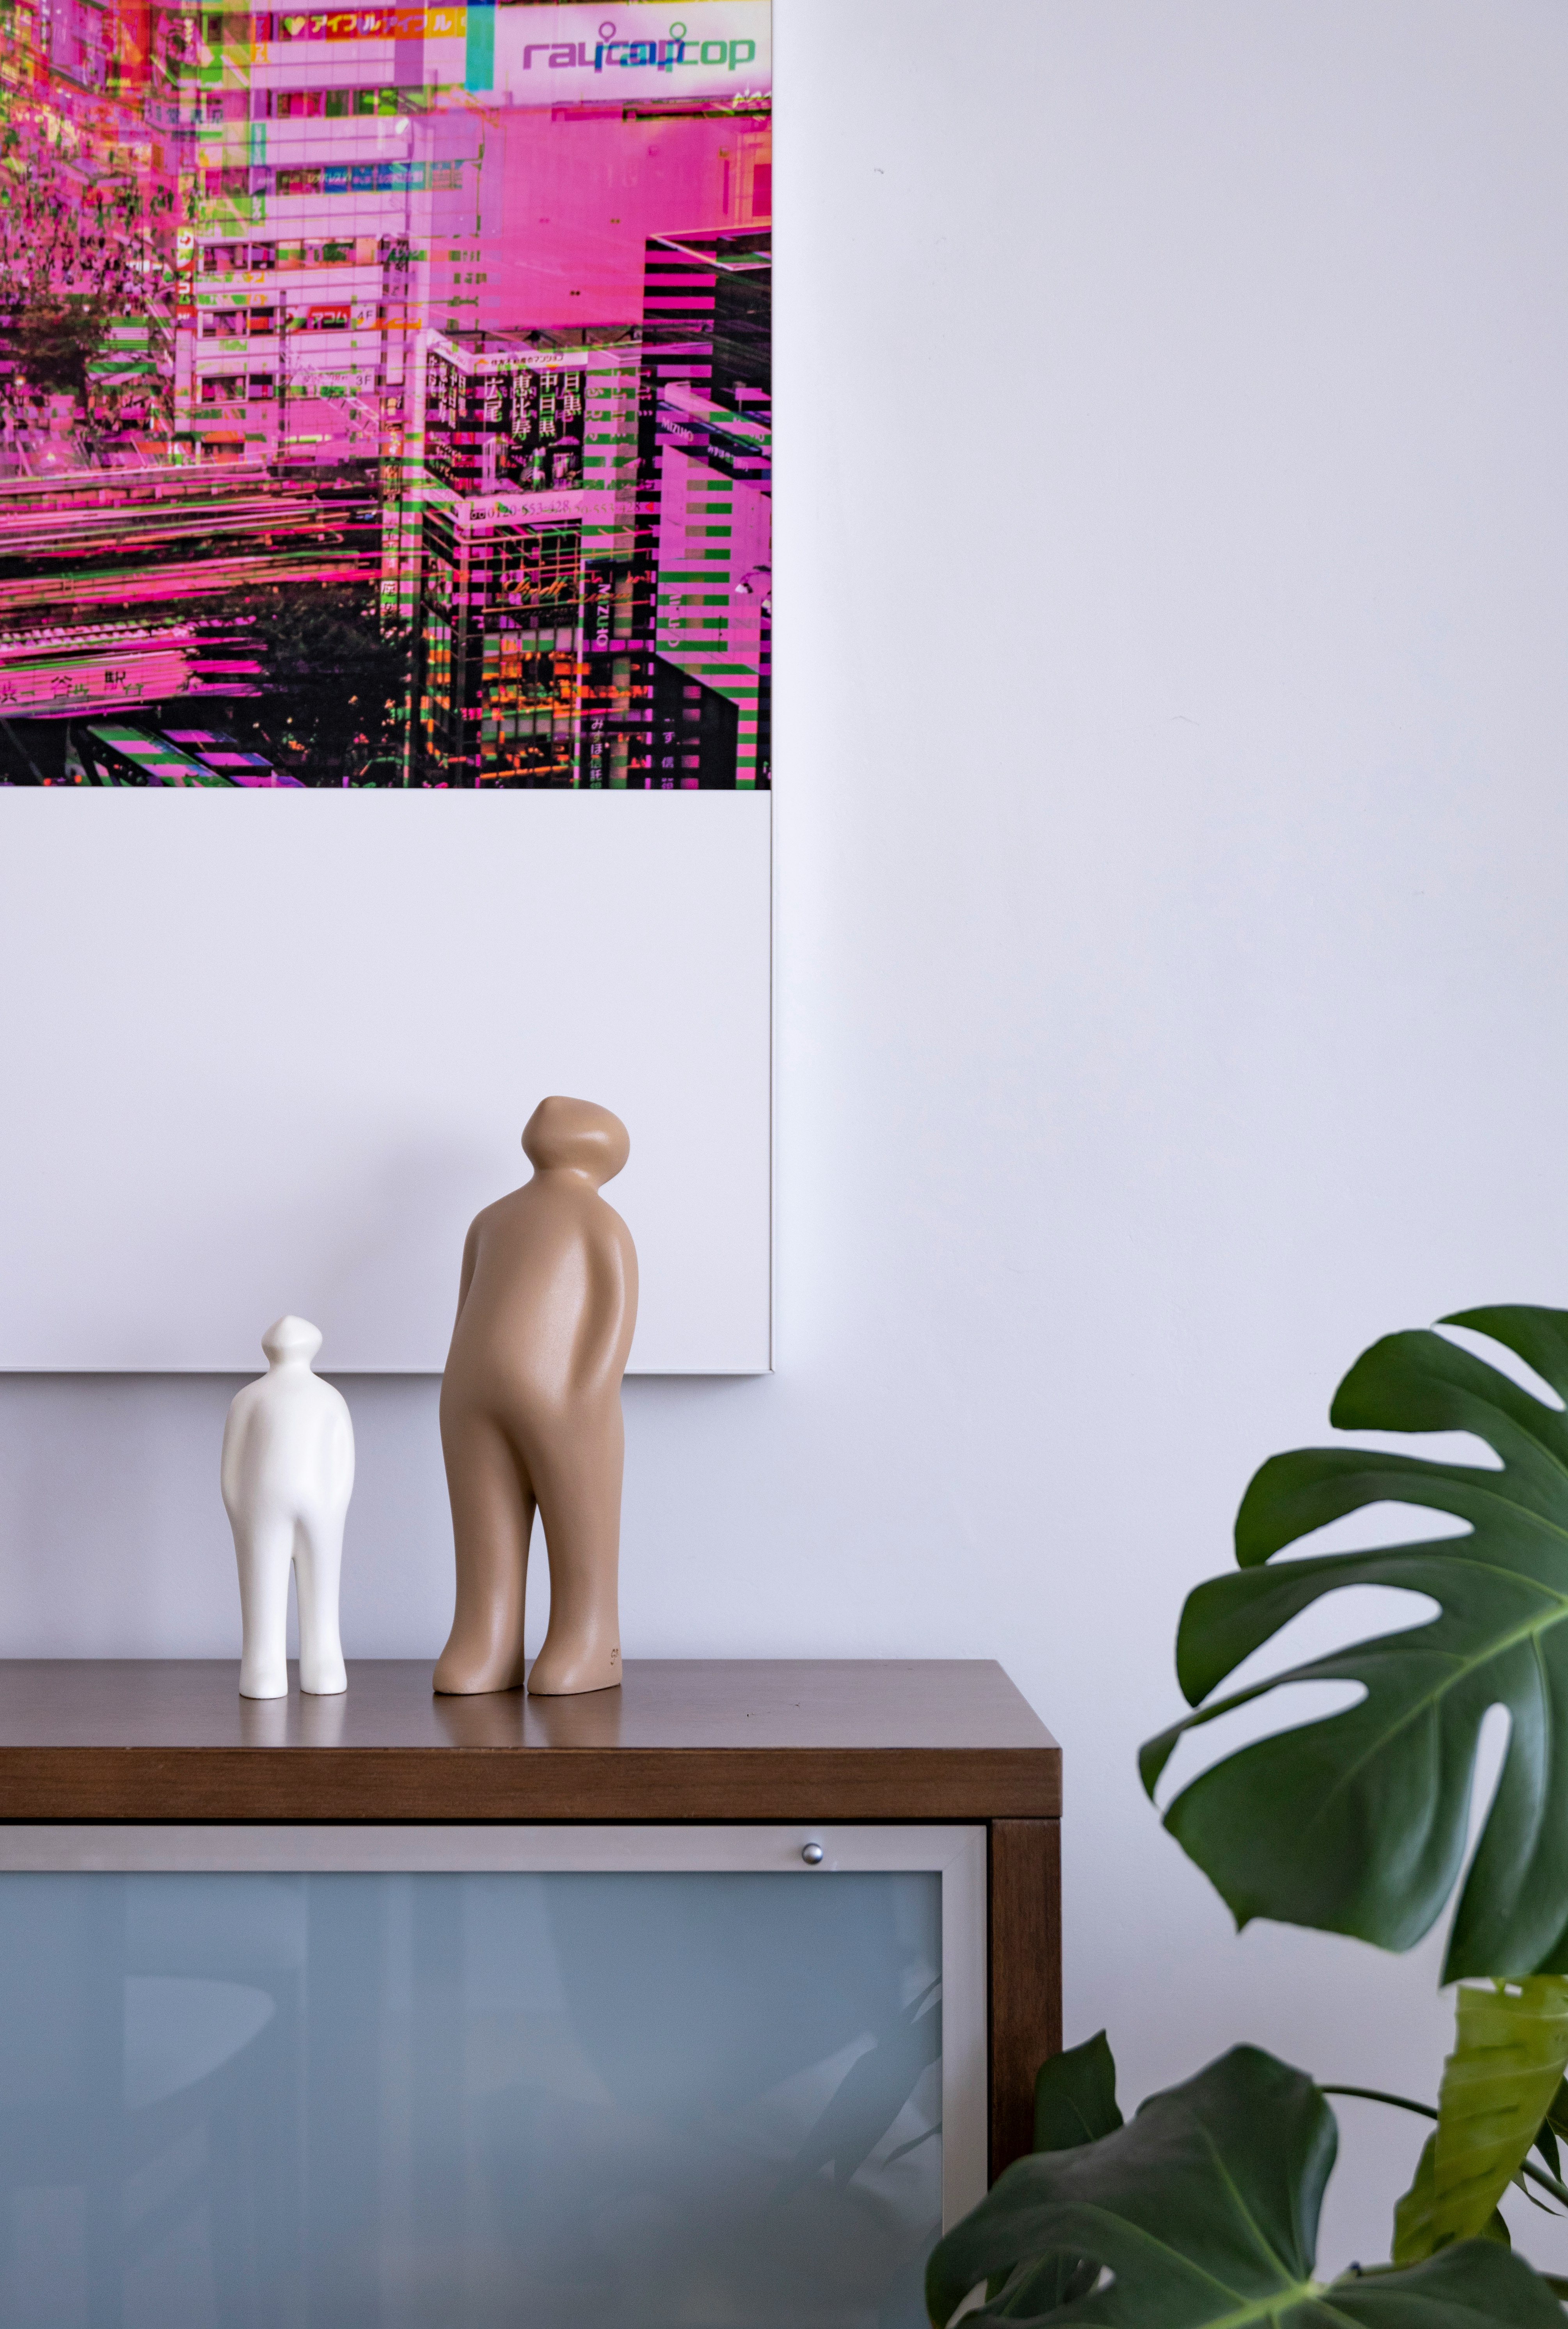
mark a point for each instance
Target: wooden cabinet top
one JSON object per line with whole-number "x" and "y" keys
{"x": 680, "y": 1739}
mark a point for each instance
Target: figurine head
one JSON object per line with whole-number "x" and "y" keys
{"x": 574, "y": 1136}
{"x": 291, "y": 1338}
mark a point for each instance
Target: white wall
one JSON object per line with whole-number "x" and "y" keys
{"x": 1171, "y": 932}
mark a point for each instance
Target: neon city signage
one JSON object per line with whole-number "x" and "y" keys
{"x": 720, "y": 49}
{"x": 662, "y": 55}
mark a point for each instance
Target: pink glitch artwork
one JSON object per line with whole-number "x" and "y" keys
{"x": 385, "y": 396}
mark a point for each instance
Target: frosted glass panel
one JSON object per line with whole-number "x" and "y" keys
{"x": 449, "y": 2102}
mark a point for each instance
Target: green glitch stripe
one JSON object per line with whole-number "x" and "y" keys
{"x": 479, "y": 57}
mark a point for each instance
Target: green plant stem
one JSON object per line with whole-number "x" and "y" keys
{"x": 1424, "y": 2110}
{"x": 1377, "y": 2095}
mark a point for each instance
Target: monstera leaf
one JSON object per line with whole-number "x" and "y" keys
{"x": 1499, "y": 2085}
{"x": 1075, "y": 2097}
{"x": 1358, "y": 1824}
{"x": 1203, "y": 2211}
{"x": 1553, "y": 2126}
{"x": 1074, "y": 2104}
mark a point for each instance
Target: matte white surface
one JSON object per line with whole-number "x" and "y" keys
{"x": 270, "y": 1052}
{"x": 286, "y": 1470}
{"x": 1172, "y": 917}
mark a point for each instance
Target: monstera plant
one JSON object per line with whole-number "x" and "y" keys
{"x": 1203, "y": 2209}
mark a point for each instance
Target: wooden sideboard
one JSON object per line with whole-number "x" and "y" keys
{"x": 722, "y": 1740}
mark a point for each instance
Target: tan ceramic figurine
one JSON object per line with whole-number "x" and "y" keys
{"x": 531, "y": 1411}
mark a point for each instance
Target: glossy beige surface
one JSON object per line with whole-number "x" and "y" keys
{"x": 531, "y": 1412}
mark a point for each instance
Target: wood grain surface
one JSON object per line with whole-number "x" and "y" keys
{"x": 681, "y": 1739}
{"x": 698, "y": 1739}
{"x": 1026, "y": 1946}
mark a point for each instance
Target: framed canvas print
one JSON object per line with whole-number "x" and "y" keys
{"x": 385, "y": 467}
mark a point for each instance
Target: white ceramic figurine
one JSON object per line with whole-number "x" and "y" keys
{"x": 288, "y": 1474}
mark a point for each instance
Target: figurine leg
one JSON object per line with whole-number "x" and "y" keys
{"x": 492, "y": 1521}
{"x": 264, "y": 1550}
{"x": 580, "y": 1505}
{"x": 318, "y": 1564}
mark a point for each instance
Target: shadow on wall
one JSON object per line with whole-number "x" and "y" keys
{"x": 113, "y": 1542}
{"x": 113, "y": 1538}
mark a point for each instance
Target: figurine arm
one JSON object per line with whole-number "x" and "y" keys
{"x": 609, "y": 1308}
{"x": 470, "y": 1256}
{"x": 340, "y": 1461}
{"x": 232, "y": 1462}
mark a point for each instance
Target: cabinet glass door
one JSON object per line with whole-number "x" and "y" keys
{"x": 456, "y": 2101}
